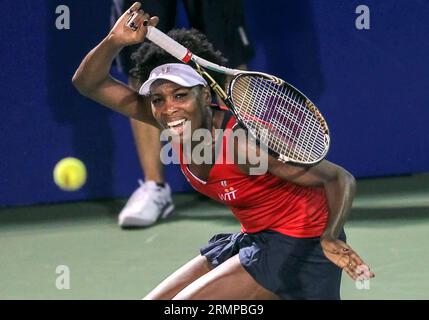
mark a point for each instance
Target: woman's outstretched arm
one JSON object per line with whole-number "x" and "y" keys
{"x": 93, "y": 78}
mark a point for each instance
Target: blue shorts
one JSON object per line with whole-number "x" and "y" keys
{"x": 292, "y": 268}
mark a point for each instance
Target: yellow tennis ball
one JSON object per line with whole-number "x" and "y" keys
{"x": 70, "y": 174}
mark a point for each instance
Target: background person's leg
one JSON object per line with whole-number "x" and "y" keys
{"x": 152, "y": 200}
{"x": 148, "y": 145}
{"x": 224, "y": 24}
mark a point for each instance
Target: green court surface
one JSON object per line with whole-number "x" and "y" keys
{"x": 388, "y": 226}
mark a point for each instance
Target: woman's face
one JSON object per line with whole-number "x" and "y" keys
{"x": 179, "y": 109}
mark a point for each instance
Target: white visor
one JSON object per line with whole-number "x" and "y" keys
{"x": 179, "y": 73}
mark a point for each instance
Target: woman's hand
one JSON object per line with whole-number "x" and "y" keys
{"x": 131, "y": 27}
{"x": 346, "y": 258}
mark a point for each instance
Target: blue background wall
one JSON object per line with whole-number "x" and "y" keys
{"x": 372, "y": 85}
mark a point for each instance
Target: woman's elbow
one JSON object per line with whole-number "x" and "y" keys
{"x": 77, "y": 82}
{"x": 80, "y": 84}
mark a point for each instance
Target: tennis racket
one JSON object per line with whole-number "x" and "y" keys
{"x": 274, "y": 113}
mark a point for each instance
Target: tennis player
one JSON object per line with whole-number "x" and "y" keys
{"x": 292, "y": 244}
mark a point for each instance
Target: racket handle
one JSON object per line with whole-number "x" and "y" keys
{"x": 181, "y": 53}
{"x": 171, "y": 46}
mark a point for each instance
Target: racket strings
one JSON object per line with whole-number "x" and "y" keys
{"x": 302, "y": 128}
{"x": 311, "y": 132}
{"x": 311, "y": 129}
{"x": 297, "y": 123}
{"x": 280, "y": 117}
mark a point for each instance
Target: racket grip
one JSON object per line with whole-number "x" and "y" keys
{"x": 171, "y": 46}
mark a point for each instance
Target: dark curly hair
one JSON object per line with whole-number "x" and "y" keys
{"x": 149, "y": 56}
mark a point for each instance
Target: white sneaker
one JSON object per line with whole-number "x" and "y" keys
{"x": 146, "y": 205}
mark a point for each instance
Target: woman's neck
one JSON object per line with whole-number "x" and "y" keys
{"x": 208, "y": 124}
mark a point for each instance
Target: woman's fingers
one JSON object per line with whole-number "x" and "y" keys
{"x": 358, "y": 271}
{"x": 351, "y": 269}
{"x": 354, "y": 257}
{"x": 138, "y": 19}
{"x": 361, "y": 267}
{"x": 353, "y": 265}
{"x": 131, "y": 12}
{"x": 364, "y": 272}
{"x": 136, "y": 6}
{"x": 343, "y": 261}
{"x": 153, "y": 21}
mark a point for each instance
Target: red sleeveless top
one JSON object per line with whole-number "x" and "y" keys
{"x": 263, "y": 202}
